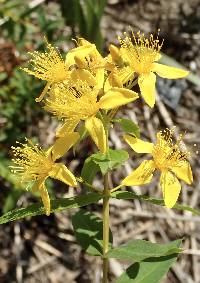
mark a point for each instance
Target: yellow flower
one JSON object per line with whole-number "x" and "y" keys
{"x": 169, "y": 158}
{"x": 33, "y": 164}
{"x": 140, "y": 59}
{"x": 50, "y": 66}
{"x": 75, "y": 101}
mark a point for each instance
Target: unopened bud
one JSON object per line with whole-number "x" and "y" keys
{"x": 115, "y": 81}
{"x": 114, "y": 51}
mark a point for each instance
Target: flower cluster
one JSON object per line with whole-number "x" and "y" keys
{"x": 89, "y": 88}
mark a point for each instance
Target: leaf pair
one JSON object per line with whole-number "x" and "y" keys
{"x": 103, "y": 163}
{"x": 151, "y": 261}
{"x": 79, "y": 201}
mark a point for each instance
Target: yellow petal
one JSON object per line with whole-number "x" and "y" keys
{"x": 45, "y": 199}
{"x": 61, "y": 173}
{"x": 109, "y": 65}
{"x": 126, "y": 74}
{"x": 147, "y": 88}
{"x": 138, "y": 145}
{"x": 99, "y": 78}
{"x": 63, "y": 144}
{"x": 184, "y": 172}
{"x": 96, "y": 130}
{"x": 83, "y": 75}
{"x": 80, "y": 62}
{"x": 141, "y": 175}
{"x": 81, "y": 51}
{"x": 158, "y": 57}
{"x": 67, "y": 127}
{"x": 116, "y": 97}
{"x": 112, "y": 81}
{"x": 170, "y": 188}
{"x": 37, "y": 185}
{"x": 169, "y": 72}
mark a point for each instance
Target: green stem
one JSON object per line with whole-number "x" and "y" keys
{"x": 116, "y": 188}
{"x": 106, "y": 220}
{"x": 80, "y": 180}
{"x": 105, "y": 228}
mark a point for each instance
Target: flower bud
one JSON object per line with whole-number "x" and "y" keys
{"x": 114, "y": 51}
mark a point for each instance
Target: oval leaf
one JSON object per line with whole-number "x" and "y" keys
{"x": 149, "y": 270}
{"x": 138, "y": 250}
{"x": 110, "y": 160}
{"x": 89, "y": 170}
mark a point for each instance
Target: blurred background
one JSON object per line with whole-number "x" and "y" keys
{"x": 43, "y": 249}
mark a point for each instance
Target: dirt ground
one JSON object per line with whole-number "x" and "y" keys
{"x": 44, "y": 249}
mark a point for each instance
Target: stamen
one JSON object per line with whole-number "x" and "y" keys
{"x": 167, "y": 153}
{"x": 48, "y": 66}
{"x": 72, "y": 102}
{"x": 31, "y": 162}
{"x": 141, "y": 53}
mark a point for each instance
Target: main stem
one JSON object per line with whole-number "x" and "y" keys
{"x": 106, "y": 197}
{"x": 105, "y": 228}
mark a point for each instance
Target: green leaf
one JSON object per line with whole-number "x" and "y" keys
{"x": 138, "y": 250}
{"x": 73, "y": 15}
{"x": 11, "y": 200}
{"x": 111, "y": 160}
{"x": 88, "y": 230}
{"x": 56, "y": 205}
{"x": 29, "y": 11}
{"x": 5, "y": 172}
{"x": 131, "y": 195}
{"x": 148, "y": 271}
{"x": 3, "y": 76}
{"x": 129, "y": 126}
{"x": 92, "y": 12}
{"x": 89, "y": 170}
{"x": 103, "y": 163}
{"x": 86, "y": 16}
